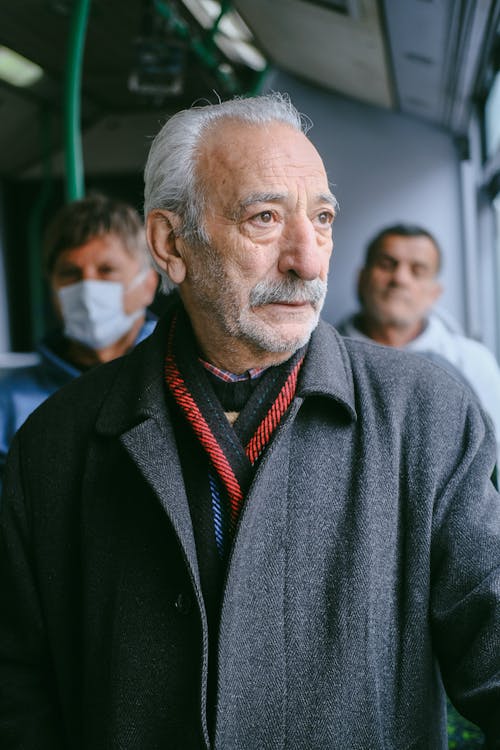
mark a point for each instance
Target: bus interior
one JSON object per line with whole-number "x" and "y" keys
{"x": 404, "y": 97}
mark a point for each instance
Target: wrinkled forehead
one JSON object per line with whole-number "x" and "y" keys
{"x": 99, "y": 250}
{"x": 239, "y": 158}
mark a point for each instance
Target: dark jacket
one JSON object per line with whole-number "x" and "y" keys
{"x": 367, "y": 555}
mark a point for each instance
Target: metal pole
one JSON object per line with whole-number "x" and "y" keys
{"x": 72, "y": 131}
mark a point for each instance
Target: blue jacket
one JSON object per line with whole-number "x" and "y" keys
{"x": 22, "y": 389}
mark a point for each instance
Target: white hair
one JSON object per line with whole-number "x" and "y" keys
{"x": 170, "y": 177}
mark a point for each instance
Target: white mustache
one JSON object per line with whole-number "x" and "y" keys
{"x": 288, "y": 290}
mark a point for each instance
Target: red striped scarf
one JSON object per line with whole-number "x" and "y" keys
{"x": 178, "y": 384}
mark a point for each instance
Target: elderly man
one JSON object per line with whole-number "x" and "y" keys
{"x": 397, "y": 288}
{"x": 260, "y": 535}
{"x": 99, "y": 270}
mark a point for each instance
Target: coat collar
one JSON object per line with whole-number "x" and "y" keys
{"x": 327, "y": 370}
{"x": 138, "y": 392}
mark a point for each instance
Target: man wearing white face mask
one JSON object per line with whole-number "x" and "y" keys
{"x": 101, "y": 278}
{"x": 94, "y": 311}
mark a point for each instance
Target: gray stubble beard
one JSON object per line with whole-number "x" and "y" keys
{"x": 239, "y": 325}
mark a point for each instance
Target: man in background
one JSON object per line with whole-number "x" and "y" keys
{"x": 101, "y": 280}
{"x": 397, "y": 289}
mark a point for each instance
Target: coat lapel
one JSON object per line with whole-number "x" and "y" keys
{"x": 135, "y": 412}
{"x": 327, "y": 370}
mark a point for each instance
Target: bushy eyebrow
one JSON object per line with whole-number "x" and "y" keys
{"x": 329, "y": 198}
{"x": 254, "y": 198}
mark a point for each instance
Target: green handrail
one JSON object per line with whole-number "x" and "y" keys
{"x": 203, "y": 48}
{"x": 72, "y": 101}
{"x": 224, "y": 7}
{"x": 200, "y": 49}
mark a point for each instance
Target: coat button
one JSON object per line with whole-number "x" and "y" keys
{"x": 183, "y": 604}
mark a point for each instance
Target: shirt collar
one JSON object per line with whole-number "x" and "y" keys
{"x": 231, "y": 377}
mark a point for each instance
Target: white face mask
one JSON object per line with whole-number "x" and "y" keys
{"x": 93, "y": 311}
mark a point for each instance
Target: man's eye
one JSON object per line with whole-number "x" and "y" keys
{"x": 325, "y": 218}
{"x": 421, "y": 272}
{"x": 265, "y": 217}
{"x": 386, "y": 264}
{"x": 67, "y": 274}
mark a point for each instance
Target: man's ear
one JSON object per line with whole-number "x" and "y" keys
{"x": 161, "y": 231}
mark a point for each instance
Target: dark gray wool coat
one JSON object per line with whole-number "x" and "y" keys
{"x": 365, "y": 572}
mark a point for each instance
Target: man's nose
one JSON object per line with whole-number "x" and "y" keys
{"x": 300, "y": 252}
{"x": 401, "y": 274}
{"x": 88, "y": 273}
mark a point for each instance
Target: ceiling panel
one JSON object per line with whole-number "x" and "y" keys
{"x": 422, "y": 57}
{"x": 342, "y": 53}
{"x": 418, "y": 33}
